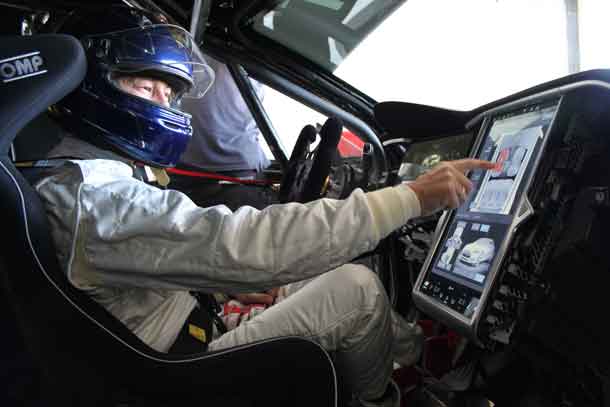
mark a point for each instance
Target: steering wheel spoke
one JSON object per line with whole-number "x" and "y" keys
{"x": 306, "y": 173}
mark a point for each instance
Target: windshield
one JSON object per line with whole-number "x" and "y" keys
{"x": 324, "y": 31}
{"x": 452, "y": 54}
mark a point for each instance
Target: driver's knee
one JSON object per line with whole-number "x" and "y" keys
{"x": 361, "y": 285}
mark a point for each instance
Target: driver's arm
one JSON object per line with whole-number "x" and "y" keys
{"x": 132, "y": 234}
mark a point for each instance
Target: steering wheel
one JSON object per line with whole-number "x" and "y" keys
{"x": 306, "y": 172}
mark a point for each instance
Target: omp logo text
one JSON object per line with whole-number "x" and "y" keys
{"x": 21, "y": 66}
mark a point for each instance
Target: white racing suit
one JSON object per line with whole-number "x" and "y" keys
{"x": 138, "y": 250}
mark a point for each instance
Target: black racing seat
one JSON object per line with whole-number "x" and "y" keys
{"x": 86, "y": 356}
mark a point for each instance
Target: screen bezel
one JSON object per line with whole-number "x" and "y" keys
{"x": 522, "y": 210}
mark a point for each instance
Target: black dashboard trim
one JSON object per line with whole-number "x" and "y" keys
{"x": 416, "y": 121}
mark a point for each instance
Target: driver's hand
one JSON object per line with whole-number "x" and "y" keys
{"x": 267, "y": 298}
{"x": 445, "y": 186}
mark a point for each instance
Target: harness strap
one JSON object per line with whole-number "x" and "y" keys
{"x": 218, "y": 177}
{"x": 198, "y": 329}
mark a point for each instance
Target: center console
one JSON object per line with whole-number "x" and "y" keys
{"x": 464, "y": 263}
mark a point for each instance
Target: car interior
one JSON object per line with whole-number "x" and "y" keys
{"x": 508, "y": 288}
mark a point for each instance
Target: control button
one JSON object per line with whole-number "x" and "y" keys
{"x": 501, "y": 306}
{"x": 509, "y": 291}
{"x": 492, "y": 320}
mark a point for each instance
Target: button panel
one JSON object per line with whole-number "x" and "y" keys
{"x": 457, "y": 297}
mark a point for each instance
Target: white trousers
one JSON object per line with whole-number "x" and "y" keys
{"x": 348, "y": 313}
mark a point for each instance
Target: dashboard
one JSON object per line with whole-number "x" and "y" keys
{"x": 501, "y": 266}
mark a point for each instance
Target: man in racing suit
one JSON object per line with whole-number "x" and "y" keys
{"x": 139, "y": 250}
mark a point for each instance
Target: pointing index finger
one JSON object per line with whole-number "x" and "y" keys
{"x": 468, "y": 164}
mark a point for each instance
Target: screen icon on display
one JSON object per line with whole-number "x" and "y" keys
{"x": 469, "y": 251}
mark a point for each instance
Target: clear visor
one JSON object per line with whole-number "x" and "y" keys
{"x": 162, "y": 51}
{"x": 148, "y": 88}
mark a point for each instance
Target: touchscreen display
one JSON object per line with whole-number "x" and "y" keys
{"x": 511, "y": 152}
{"x": 512, "y": 142}
{"x": 477, "y": 230}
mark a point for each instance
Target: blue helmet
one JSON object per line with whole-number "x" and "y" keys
{"x": 125, "y": 43}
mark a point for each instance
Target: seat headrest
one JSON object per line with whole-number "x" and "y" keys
{"x": 35, "y": 72}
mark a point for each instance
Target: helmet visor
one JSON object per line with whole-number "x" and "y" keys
{"x": 163, "y": 51}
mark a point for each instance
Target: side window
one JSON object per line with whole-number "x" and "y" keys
{"x": 289, "y": 116}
